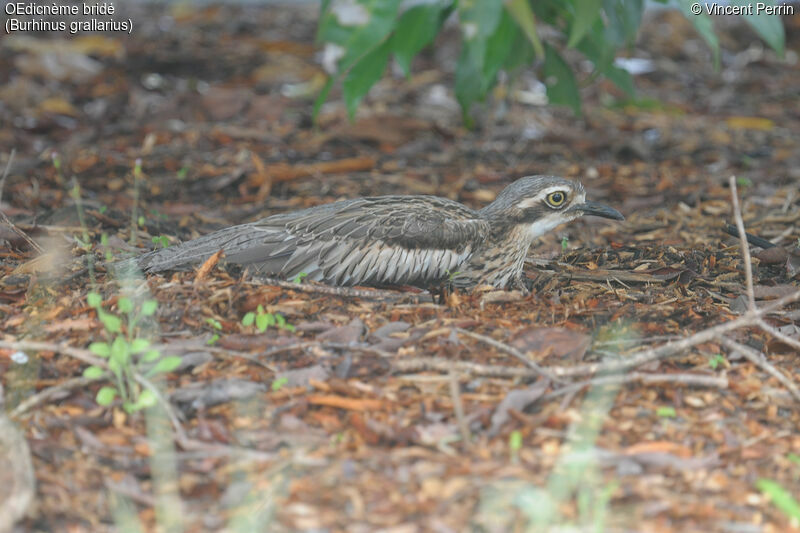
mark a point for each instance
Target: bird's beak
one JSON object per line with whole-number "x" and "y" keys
{"x": 598, "y": 210}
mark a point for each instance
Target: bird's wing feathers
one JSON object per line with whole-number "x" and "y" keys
{"x": 390, "y": 239}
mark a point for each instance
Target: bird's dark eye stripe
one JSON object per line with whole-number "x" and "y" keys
{"x": 556, "y": 199}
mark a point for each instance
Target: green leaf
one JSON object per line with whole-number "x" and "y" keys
{"x": 93, "y": 372}
{"x": 112, "y": 323}
{"x": 368, "y": 70}
{"x": 101, "y": 349}
{"x": 279, "y": 383}
{"x": 150, "y": 356}
{"x": 520, "y": 11}
{"x": 782, "y": 498}
{"x": 357, "y": 39}
{"x": 469, "y": 76}
{"x": 120, "y": 352}
{"x": 498, "y": 46}
{"x": 165, "y": 365}
{"x": 125, "y": 305}
{"x": 94, "y": 299}
{"x": 106, "y": 395}
{"x": 515, "y": 440}
{"x": 248, "y": 318}
{"x": 478, "y": 18}
{"x": 704, "y": 26}
{"x": 139, "y": 345}
{"x": 624, "y": 18}
{"x": 666, "y": 412}
{"x": 261, "y": 322}
{"x": 415, "y": 30}
{"x": 586, "y": 12}
{"x": 562, "y": 88}
{"x": 149, "y": 307}
{"x": 146, "y": 399}
{"x": 768, "y": 27}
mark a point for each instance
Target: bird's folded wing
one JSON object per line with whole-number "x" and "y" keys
{"x": 390, "y": 239}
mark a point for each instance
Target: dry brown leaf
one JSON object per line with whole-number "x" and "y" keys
{"x": 207, "y": 266}
{"x": 559, "y": 342}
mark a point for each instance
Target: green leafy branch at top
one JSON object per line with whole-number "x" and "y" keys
{"x": 498, "y": 36}
{"x": 126, "y": 353}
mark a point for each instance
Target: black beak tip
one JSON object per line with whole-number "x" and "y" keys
{"x": 600, "y": 210}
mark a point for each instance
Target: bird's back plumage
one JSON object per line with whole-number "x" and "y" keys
{"x": 413, "y": 240}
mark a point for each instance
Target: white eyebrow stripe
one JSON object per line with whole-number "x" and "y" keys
{"x": 530, "y": 202}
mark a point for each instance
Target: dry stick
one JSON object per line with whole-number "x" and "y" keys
{"x": 440, "y": 364}
{"x": 544, "y": 372}
{"x": 458, "y": 407}
{"x": 645, "y": 378}
{"x": 777, "y": 334}
{"x": 374, "y": 294}
{"x": 50, "y": 393}
{"x": 748, "y": 268}
{"x": 760, "y": 361}
{"x": 11, "y": 225}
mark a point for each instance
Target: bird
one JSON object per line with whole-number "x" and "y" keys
{"x": 422, "y": 241}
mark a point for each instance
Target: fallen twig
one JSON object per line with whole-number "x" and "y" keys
{"x": 7, "y": 220}
{"x": 544, "y": 372}
{"x": 760, "y": 360}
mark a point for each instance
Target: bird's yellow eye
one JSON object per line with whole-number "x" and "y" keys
{"x": 556, "y": 199}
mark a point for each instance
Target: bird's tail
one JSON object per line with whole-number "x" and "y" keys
{"x": 233, "y": 241}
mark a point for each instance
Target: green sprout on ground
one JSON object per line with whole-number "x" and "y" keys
{"x": 744, "y": 182}
{"x": 135, "y": 218}
{"x": 104, "y": 244}
{"x": 300, "y": 277}
{"x": 564, "y": 244}
{"x": 182, "y": 172}
{"x": 161, "y": 240}
{"x": 782, "y": 498}
{"x": 666, "y": 412}
{"x": 279, "y": 383}
{"x": 717, "y": 360}
{"x": 214, "y": 323}
{"x": 126, "y": 354}
{"x": 263, "y": 320}
{"x": 515, "y": 444}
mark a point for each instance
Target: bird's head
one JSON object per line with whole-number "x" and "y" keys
{"x": 544, "y": 202}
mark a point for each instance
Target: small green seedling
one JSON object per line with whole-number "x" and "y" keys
{"x": 300, "y": 277}
{"x": 744, "y": 182}
{"x": 161, "y": 240}
{"x": 279, "y": 383}
{"x": 126, "y": 353}
{"x": 564, "y": 244}
{"x": 214, "y": 323}
{"x": 182, "y": 172}
{"x": 263, "y": 320}
{"x": 666, "y": 412}
{"x": 781, "y": 498}
{"x": 515, "y": 444}
{"x": 716, "y": 360}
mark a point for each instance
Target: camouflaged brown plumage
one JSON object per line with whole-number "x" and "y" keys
{"x": 397, "y": 240}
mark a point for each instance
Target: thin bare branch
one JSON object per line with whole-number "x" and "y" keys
{"x": 458, "y": 408}
{"x": 511, "y": 351}
{"x": 33, "y": 244}
{"x": 760, "y": 360}
{"x": 692, "y": 380}
{"x": 748, "y": 268}
{"x": 794, "y": 343}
